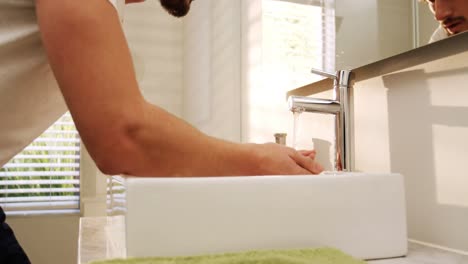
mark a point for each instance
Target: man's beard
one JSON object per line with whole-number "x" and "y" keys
{"x": 455, "y": 25}
{"x": 177, "y": 8}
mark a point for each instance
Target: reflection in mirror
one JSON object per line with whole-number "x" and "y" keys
{"x": 425, "y": 23}
{"x": 451, "y": 17}
{"x": 371, "y": 30}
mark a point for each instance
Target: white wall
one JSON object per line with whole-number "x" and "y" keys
{"x": 47, "y": 239}
{"x": 251, "y": 65}
{"x": 156, "y": 41}
{"x": 414, "y": 122}
{"x": 211, "y": 98}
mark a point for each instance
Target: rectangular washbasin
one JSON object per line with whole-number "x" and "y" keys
{"x": 360, "y": 214}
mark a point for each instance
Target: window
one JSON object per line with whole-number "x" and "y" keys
{"x": 298, "y": 35}
{"x": 282, "y": 41}
{"x": 45, "y": 175}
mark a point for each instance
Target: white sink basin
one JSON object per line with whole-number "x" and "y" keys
{"x": 361, "y": 214}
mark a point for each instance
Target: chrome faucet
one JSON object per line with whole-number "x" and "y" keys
{"x": 339, "y": 106}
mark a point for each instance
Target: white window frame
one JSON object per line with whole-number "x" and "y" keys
{"x": 43, "y": 204}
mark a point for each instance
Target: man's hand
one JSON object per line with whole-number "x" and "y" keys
{"x": 275, "y": 159}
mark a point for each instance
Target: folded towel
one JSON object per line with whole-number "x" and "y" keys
{"x": 299, "y": 256}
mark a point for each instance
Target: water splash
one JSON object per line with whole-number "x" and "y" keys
{"x": 296, "y": 113}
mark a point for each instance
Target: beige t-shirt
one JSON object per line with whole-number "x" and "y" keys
{"x": 438, "y": 34}
{"x": 30, "y": 100}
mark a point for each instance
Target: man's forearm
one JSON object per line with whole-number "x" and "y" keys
{"x": 164, "y": 145}
{"x": 123, "y": 133}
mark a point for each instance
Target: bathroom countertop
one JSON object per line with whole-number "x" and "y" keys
{"x": 103, "y": 238}
{"x": 419, "y": 254}
{"x": 427, "y": 53}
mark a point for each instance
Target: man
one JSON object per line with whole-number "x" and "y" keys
{"x": 452, "y": 16}
{"x": 75, "y": 50}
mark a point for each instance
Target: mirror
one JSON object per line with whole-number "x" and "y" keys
{"x": 371, "y": 30}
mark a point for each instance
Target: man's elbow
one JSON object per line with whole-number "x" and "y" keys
{"x": 110, "y": 166}
{"x": 116, "y": 155}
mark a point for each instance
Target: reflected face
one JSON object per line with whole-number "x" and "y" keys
{"x": 133, "y": 1}
{"x": 452, "y": 14}
{"x": 177, "y": 8}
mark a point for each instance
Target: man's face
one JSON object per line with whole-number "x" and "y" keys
{"x": 178, "y": 8}
{"x": 452, "y": 14}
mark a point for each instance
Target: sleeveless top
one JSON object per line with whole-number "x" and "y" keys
{"x": 30, "y": 100}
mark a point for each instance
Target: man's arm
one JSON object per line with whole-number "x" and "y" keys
{"x": 123, "y": 133}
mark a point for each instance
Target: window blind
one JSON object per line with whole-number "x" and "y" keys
{"x": 45, "y": 175}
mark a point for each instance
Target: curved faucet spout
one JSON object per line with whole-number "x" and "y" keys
{"x": 339, "y": 106}
{"x": 314, "y": 105}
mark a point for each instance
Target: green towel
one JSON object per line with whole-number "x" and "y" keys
{"x": 299, "y": 256}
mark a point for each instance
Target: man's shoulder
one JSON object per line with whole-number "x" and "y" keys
{"x": 438, "y": 34}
